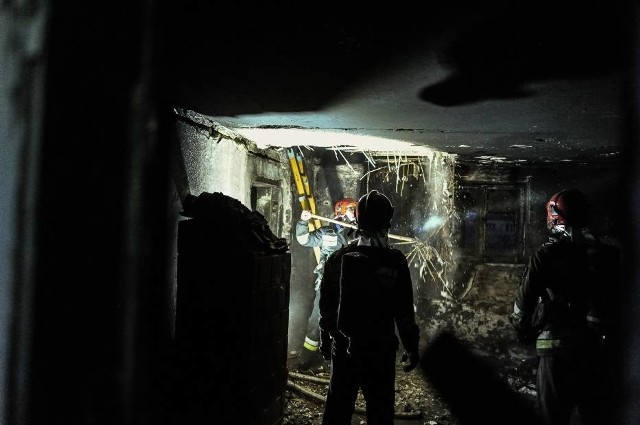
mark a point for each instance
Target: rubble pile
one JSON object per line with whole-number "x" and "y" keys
{"x": 249, "y": 227}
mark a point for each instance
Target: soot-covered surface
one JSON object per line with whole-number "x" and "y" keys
{"x": 417, "y": 400}
{"x": 465, "y": 343}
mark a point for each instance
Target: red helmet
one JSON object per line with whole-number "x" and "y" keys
{"x": 343, "y": 205}
{"x": 567, "y": 207}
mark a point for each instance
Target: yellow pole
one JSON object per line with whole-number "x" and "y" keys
{"x": 302, "y": 196}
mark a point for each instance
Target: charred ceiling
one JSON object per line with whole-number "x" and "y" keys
{"x": 497, "y": 82}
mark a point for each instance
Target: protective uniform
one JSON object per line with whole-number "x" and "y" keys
{"x": 566, "y": 302}
{"x": 366, "y": 293}
{"x": 329, "y": 239}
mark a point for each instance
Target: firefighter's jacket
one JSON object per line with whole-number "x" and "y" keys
{"x": 567, "y": 298}
{"x": 328, "y": 238}
{"x": 366, "y": 293}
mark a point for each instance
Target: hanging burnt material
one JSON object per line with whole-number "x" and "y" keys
{"x": 424, "y": 188}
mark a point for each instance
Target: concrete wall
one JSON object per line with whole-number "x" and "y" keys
{"x": 208, "y": 161}
{"x": 214, "y": 165}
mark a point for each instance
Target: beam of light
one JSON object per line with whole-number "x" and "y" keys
{"x": 432, "y": 222}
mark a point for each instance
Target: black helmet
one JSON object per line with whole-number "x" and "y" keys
{"x": 567, "y": 207}
{"x": 374, "y": 211}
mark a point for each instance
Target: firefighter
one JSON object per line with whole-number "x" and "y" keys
{"x": 329, "y": 238}
{"x": 566, "y": 304}
{"x": 366, "y": 293}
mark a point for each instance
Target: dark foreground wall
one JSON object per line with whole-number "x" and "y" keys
{"x": 230, "y": 363}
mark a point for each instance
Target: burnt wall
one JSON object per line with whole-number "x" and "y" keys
{"x": 475, "y": 293}
{"x": 479, "y": 314}
{"x": 601, "y": 183}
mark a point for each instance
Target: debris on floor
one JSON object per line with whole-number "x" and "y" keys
{"x": 416, "y": 401}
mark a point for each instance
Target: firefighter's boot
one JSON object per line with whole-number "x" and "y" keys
{"x": 311, "y": 361}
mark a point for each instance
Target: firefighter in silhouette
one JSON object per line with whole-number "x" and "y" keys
{"x": 329, "y": 238}
{"x": 566, "y": 303}
{"x": 366, "y": 293}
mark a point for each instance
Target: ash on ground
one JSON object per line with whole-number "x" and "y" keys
{"x": 416, "y": 402}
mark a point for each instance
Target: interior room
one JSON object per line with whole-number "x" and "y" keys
{"x": 155, "y": 161}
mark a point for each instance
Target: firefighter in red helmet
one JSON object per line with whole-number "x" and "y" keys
{"x": 344, "y": 207}
{"x": 566, "y": 206}
{"x": 328, "y": 238}
{"x": 365, "y": 295}
{"x": 566, "y": 303}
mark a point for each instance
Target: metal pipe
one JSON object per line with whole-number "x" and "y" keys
{"x": 353, "y": 226}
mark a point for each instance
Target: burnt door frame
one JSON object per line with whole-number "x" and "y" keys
{"x": 493, "y": 231}
{"x": 266, "y": 198}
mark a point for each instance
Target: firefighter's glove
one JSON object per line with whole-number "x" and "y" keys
{"x": 412, "y": 357}
{"x": 525, "y": 335}
{"x": 325, "y": 345}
